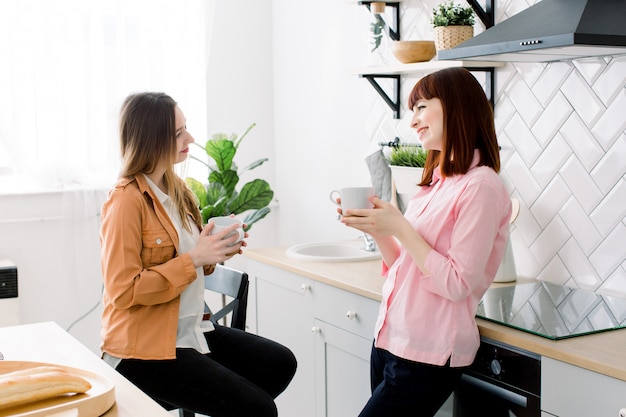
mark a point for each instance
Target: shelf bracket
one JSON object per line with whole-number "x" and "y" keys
{"x": 490, "y": 89}
{"x": 393, "y": 33}
{"x": 393, "y": 103}
{"x": 486, "y": 15}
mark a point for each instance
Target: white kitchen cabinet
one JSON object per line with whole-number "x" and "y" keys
{"x": 284, "y": 313}
{"x": 571, "y": 391}
{"x": 328, "y": 329}
{"x": 341, "y": 371}
{"x": 344, "y": 326}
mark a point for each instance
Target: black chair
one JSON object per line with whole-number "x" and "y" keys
{"x": 231, "y": 283}
{"x": 228, "y": 282}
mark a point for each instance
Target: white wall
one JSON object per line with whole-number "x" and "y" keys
{"x": 52, "y": 238}
{"x": 240, "y": 92}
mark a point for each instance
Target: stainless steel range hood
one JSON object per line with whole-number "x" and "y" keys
{"x": 551, "y": 30}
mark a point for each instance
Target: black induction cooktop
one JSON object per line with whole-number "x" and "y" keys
{"x": 552, "y": 311}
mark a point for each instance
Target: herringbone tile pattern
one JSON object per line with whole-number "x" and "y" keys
{"x": 562, "y": 128}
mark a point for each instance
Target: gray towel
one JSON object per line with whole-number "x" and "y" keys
{"x": 380, "y": 173}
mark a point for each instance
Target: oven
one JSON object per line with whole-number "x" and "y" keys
{"x": 503, "y": 381}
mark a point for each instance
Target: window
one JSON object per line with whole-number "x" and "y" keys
{"x": 67, "y": 65}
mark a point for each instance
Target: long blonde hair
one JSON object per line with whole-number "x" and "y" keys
{"x": 147, "y": 138}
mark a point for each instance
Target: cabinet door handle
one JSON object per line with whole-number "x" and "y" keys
{"x": 351, "y": 314}
{"x": 316, "y": 330}
{"x": 305, "y": 287}
{"x": 622, "y": 412}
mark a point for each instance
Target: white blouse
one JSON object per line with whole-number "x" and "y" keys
{"x": 190, "y": 324}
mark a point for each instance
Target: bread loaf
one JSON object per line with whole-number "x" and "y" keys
{"x": 39, "y": 383}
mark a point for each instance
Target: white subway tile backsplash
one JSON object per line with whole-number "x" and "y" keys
{"x": 523, "y": 140}
{"x": 608, "y": 85}
{"x": 529, "y": 71}
{"x": 579, "y": 266}
{"x": 552, "y": 198}
{"x": 582, "y": 98}
{"x": 526, "y": 227}
{"x": 550, "y": 241}
{"x": 503, "y": 113}
{"x": 506, "y": 75}
{"x": 581, "y": 185}
{"x": 524, "y": 101}
{"x": 612, "y": 123}
{"x": 552, "y": 118}
{"x": 611, "y": 167}
{"x": 550, "y": 81}
{"x": 518, "y": 174}
{"x": 506, "y": 147}
{"x": 580, "y": 226}
{"x": 551, "y": 160}
{"x": 610, "y": 254}
{"x": 611, "y": 210}
{"x": 590, "y": 68}
{"x": 582, "y": 142}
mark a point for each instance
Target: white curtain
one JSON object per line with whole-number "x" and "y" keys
{"x": 66, "y": 66}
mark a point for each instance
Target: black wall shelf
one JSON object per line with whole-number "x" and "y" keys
{"x": 373, "y": 74}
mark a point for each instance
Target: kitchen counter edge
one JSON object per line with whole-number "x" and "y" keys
{"x": 600, "y": 352}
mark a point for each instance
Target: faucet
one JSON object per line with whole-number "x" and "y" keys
{"x": 370, "y": 243}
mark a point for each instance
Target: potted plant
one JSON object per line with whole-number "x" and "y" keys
{"x": 453, "y": 24}
{"x": 407, "y": 165}
{"x": 220, "y": 197}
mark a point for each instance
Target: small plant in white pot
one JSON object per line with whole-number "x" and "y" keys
{"x": 407, "y": 165}
{"x": 453, "y": 24}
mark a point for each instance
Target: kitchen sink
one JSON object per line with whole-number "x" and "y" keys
{"x": 344, "y": 251}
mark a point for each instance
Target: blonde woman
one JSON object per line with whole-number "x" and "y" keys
{"x": 155, "y": 254}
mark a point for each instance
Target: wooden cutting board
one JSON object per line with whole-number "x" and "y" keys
{"x": 92, "y": 403}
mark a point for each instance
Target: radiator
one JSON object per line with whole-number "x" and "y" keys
{"x": 9, "y": 300}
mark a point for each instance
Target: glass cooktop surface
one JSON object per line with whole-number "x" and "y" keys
{"x": 552, "y": 311}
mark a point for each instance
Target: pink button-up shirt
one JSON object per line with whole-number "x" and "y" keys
{"x": 430, "y": 318}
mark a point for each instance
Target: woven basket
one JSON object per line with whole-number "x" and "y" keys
{"x": 447, "y": 37}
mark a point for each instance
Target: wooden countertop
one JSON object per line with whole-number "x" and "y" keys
{"x": 48, "y": 342}
{"x": 600, "y": 352}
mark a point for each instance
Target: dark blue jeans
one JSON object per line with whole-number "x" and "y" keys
{"x": 405, "y": 388}
{"x": 240, "y": 377}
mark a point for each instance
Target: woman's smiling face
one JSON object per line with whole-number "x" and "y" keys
{"x": 427, "y": 120}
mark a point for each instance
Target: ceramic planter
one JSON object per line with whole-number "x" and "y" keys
{"x": 406, "y": 179}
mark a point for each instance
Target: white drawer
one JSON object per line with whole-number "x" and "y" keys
{"x": 348, "y": 311}
{"x": 293, "y": 282}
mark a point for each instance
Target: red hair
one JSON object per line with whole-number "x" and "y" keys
{"x": 467, "y": 122}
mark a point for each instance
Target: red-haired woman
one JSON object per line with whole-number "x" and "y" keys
{"x": 441, "y": 255}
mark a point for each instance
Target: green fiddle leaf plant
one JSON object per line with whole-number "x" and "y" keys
{"x": 220, "y": 196}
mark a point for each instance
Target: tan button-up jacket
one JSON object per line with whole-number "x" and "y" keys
{"x": 143, "y": 274}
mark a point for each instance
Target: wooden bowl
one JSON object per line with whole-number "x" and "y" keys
{"x": 413, "y": 51}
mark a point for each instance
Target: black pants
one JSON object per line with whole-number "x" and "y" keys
{"x": 240, "y": 377}
{"x": 405, "y": 388}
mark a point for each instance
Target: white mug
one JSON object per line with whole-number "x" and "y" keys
{"x": 353, "y": 197}
{"x": 222, "y": 222}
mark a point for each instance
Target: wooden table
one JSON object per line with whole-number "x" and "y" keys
{"x": 48, "y": 342}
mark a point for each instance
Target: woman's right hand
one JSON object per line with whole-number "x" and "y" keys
{"x": 214, "y": 249}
